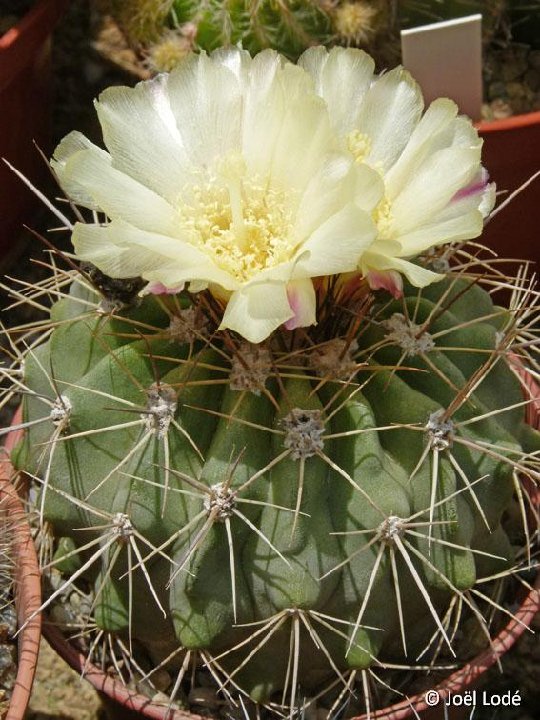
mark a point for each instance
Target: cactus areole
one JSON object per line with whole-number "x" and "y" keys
{"x": 273, "y": 419}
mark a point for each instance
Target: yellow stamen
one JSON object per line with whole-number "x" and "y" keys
{"x": 359, "y": 145}
{"x": 383, "y": 219}
{"x": 241, "y": 222}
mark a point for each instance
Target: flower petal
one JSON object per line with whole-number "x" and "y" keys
{"x": 461, "y": 227}
{"x": 121, "y": 250}
{"x": 389, "y": 280}
{"x": 373, "y": 263}
{"x": 433, "y": 132}
{"x": 337, "y": 244}
{"x": 257, "y": 310}
{"x": 303, "y": 303}
{"x": 338, "y": 181}
{"x": 342, "y": 78}
{"x": 72, "y": 144}
{"x": 119, "y": 195}
{"x": 206, "y": 102}
{"x": 389, "y": 113}
{"x": 433, "y": 186}
{"x": 141, "y": 134}
{"x": 292, "y": 155}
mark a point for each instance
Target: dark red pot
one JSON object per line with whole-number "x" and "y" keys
{"x": 511, "y": 154}
{"x": 25, "y": 88}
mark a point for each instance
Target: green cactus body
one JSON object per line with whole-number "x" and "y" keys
{"x": 283, "y": 516}
{"x": 289, "y": 27}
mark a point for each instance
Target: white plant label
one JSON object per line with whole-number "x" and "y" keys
{"x": 446, "y": 60}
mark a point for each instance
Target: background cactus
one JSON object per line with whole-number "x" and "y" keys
{"x": 301, "y": 516}
{"x": 167, "y": 29}
{"x": 289, "y": 27}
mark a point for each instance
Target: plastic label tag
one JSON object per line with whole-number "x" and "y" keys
{"x": 446, "y": 60}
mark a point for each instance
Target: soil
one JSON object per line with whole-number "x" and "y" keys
{"x": 59, "y": 693}
{"x": 90, "y": 55}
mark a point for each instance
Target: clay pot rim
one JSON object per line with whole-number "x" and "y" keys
{"x": 514, "y": 122}
{"x": 27, "y": 584}
{"x": 455, "y": 682}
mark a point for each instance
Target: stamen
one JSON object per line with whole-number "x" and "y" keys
{"x": 243, "y": 223}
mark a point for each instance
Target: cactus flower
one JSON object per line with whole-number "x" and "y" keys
{"x": 251, "y": 177}
{"x": 435, "y": 190}
{"x": 225, "y": 175}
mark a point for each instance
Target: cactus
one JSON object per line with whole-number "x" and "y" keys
{"x": 297, "y": 512}
{"x": 141, "y": 20}
{"x": 289, "y": 27}
{"x": 166, "y": 29}
{"x": 305, "y": 492}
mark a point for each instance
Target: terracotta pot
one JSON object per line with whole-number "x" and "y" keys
{"x": 25, "y": 53}
{"x": 131, "y": 702}
{"x": 129, "y": 705}
{"x": 511, "y": 154}
{"x": 27, "y": 591}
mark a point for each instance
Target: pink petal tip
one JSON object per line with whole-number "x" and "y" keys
{"x": 389, "y": 280}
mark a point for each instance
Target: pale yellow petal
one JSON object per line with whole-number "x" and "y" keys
{"x": 72, "y": 144}
{"x": 431, "y": 189}
{"x": 433, "y": 132}
{"x": 336, "y": 245}
{"x": 119, "y": 195}
{"x": 290, "y": 155}
{"x": 121, "y": 250}
{"x": 462, "y": 227}
{"x": 342, "y": 77}
{"x": 389, "y": 113}
{"x": 206, "y": 101}
{"x": 418, "y": 276}
{"x": 141, "y": 134}
{"x": 257, "y": 310}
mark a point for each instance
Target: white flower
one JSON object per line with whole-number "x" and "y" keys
{"x": 225, "y": 174}
{"x": 435, "y": 190}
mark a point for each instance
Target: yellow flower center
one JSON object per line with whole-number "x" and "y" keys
{"x": 242, "y": 223}
{"x": 383, "y": 219}
{"x": 359, "y": 145}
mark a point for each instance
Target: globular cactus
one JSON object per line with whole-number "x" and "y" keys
{"x": 167, "y": 30}
{"x": 259, "y": 449}
{"x": 141, "y": 20}
{"x": 291, "y": 512}
{"x": 289, "y": 27}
